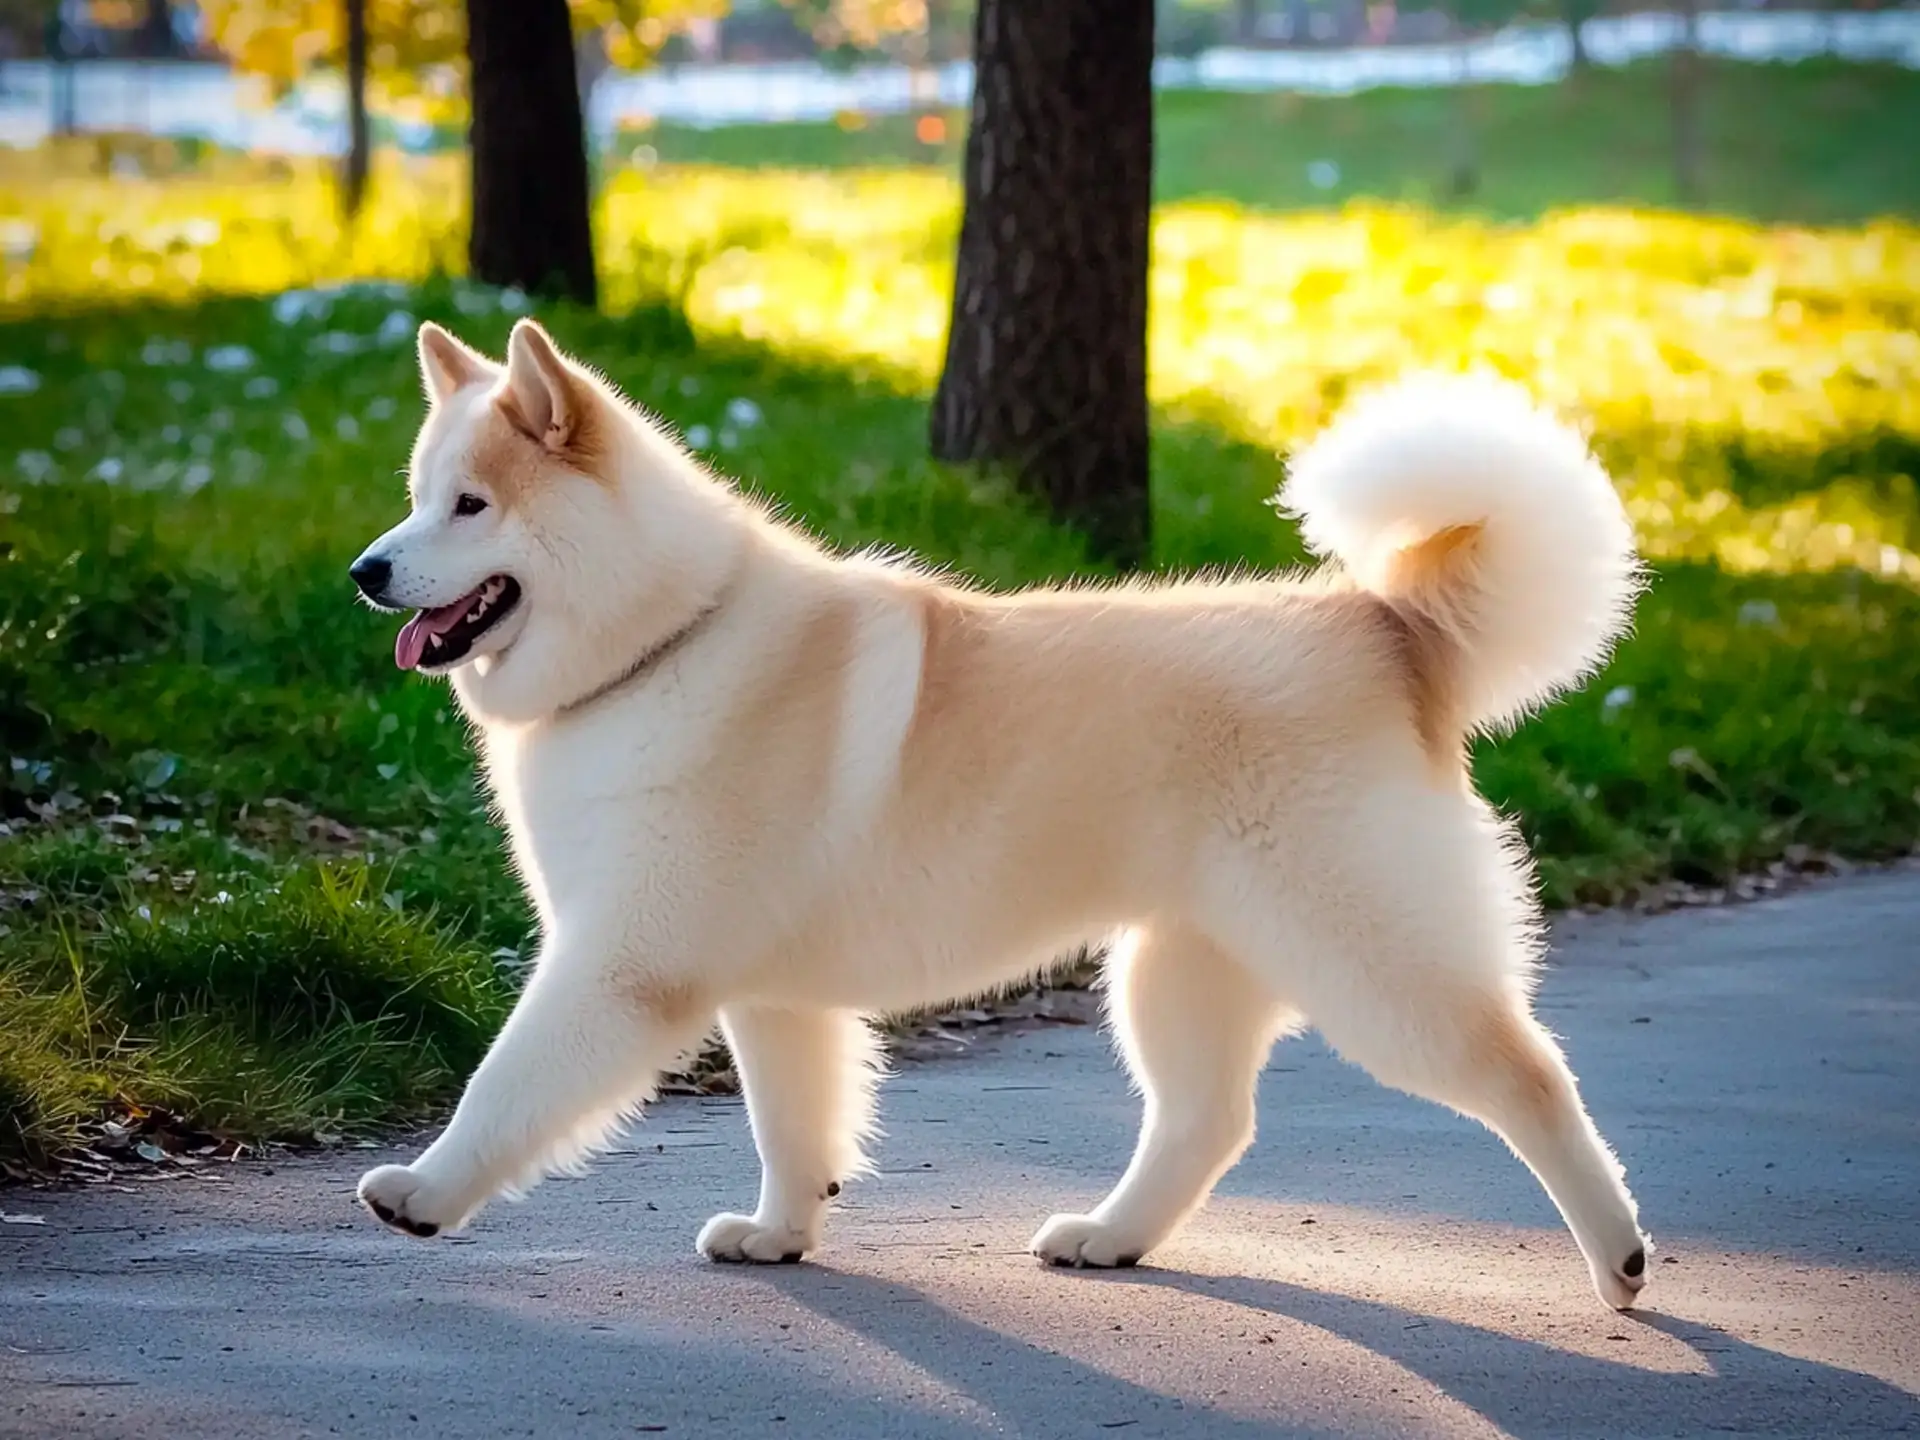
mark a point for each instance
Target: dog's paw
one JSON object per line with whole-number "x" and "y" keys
{"x": 1619, "y": 1286}
{"x": 741, "y": 1239}
{"x": 404, "y": 1200}
{"x": 1084, "y": 1242}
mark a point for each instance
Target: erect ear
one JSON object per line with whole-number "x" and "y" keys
{"x": 543, "y": 396}
{"x": 446, "y": 364}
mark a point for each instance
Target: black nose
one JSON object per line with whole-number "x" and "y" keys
{"x": 371, "y": 574}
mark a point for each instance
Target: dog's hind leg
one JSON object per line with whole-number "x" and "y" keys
{"x": 577, "y": 1054}
{"x": 1408, "y": 933}
{"x": 1194, "y": 1028}
{"x": 1482, "y": 1053}
{"x": 809, "y": 1076}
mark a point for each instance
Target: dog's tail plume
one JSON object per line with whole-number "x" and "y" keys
{"x": 1486, "y": 524}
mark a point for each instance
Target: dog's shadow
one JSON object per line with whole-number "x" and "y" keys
{"x": 1527, "y": 1389}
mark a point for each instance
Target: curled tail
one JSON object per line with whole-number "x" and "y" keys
{"x": 1485, "y": 522}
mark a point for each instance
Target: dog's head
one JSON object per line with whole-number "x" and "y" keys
{"x": 548, "y": 517}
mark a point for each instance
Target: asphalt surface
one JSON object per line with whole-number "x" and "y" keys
{"x": 1376, "y": 1267}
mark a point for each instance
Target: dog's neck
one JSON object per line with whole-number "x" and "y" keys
{"x": 648, "y": 660}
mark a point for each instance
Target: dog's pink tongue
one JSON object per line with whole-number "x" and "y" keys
{"x": 411, "y": 643}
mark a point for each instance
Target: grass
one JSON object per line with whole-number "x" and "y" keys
{"x": 245, "y": 873}
{"x": 295, "y": 1008}
{"x": 1817, "y": 142}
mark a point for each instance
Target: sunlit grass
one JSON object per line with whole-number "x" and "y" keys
{"x": 1754, "y": 388}
{"x": 1719, "y": 365}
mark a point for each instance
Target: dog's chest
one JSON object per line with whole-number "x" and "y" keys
{"x": 587, "y": 784}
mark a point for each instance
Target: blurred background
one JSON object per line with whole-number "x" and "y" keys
{"x": 248, "y": 887}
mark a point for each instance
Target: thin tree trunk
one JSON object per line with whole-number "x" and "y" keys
{"x": 923, "y": 85}
{"x": 1684, "y": 83}
{"x": 531, "y": 223}
{"x": 1463, "y": 139}
{"x": 156, "y": 37}
{"x": 59, "y": 54}
{"x": 1246, "y": 21}
{"x": 939, "y": 22}
{"x": 359, "y": 137}
{"x": 1578, "y": 12}
{"x": 1046, "y": 366}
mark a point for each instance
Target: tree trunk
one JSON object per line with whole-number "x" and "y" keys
{"x": 60, "y": 56}
{"x": 1046, "y": 368}
{"x": 922, "y": 54}
{"x": 1463, "y": 136}
{"x": 1578, "y": 12}
{"x": 156, "y": 31}
{"x": 359, "y": 138}
{"x": 531, "y": 222}
{"x": 1684, "y": 76}
{"x": 939, "y": 24}
{"x": 1246, "y": 21}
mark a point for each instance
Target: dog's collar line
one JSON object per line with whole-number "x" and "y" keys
{"x": 648, "y": 660}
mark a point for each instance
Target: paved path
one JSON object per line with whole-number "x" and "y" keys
{"x": 1375, "y": 1268}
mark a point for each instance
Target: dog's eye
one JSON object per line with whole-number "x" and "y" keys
{"x": 469, "y": 505}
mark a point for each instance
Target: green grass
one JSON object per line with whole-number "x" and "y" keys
{"x": 1816, "y": 142}
{"x": 302, "y": 1005}
{"x": 245, "y": 872}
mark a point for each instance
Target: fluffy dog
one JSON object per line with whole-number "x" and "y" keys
{"x": 752, "y": 782}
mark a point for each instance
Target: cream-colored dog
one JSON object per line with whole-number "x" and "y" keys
{"x": 750, "y": 781}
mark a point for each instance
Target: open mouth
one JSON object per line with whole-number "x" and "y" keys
{"x": 435, "y": 639}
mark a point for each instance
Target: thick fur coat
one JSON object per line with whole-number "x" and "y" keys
{"x": 752, "y": 783}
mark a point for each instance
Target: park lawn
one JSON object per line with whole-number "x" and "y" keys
{"x": 246, "y": 876}
{"x": 1819, "y": 142}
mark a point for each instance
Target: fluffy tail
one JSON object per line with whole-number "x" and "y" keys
{"x": 1481, "y": 518}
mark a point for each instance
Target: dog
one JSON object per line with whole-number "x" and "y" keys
{"x": 752, "y": 782}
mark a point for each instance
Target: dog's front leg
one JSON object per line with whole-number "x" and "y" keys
{"x": 809, "y": 1075}
{"x": 581, "y": 1049}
